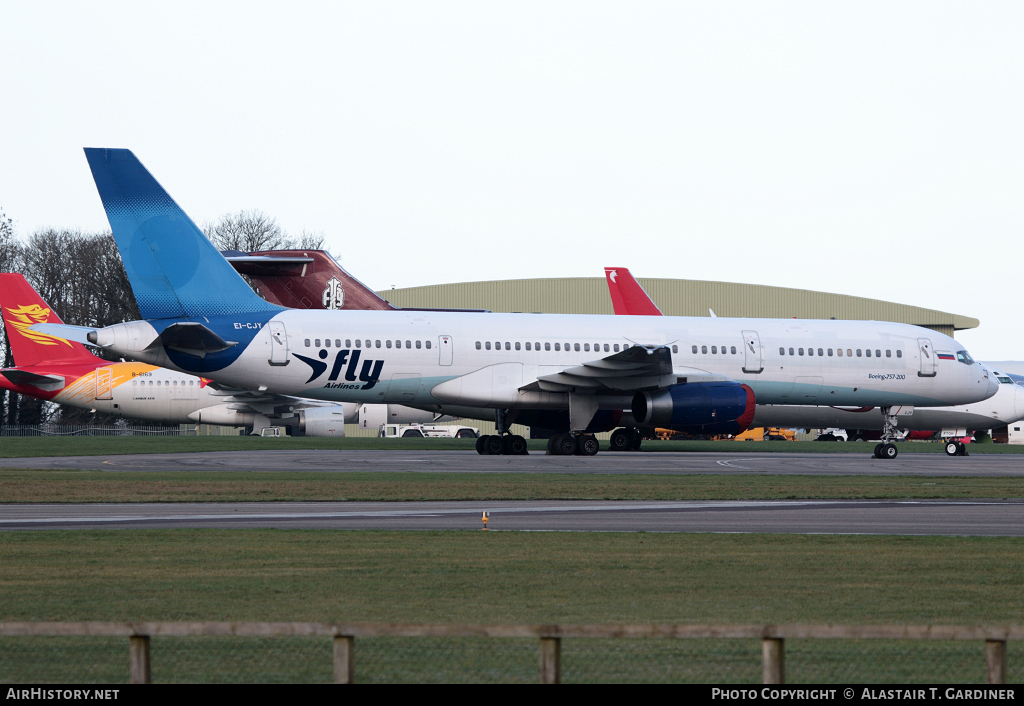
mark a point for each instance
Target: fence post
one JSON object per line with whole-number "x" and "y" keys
{"x": 773, "y": 660}
{"x": 551, "y": 660}
{"x": 995, "y": 660}
{"x": 138, "y": 647}
{"x": 344, "y": 671}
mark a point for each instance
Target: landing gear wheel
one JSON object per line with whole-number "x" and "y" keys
{"x": 494, "y": 445}
{"x": 963, "y": 449}
{"x": 588, "y": 445}
{"x": 551, "y": 446}
{"x": 952, "y": 448}
{"x": 515, "y": 446}
{"x": 889, "y": 451}
{"x": 480, "y": 441}
{"x": 565, "y": 445}
{"x": 878, "y": 450}
{"x": 621, "y": 440}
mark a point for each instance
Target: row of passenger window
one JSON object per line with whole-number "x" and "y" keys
{"x": 136, "y": 381}
{"x": 536, "y": 346}
{"x": 714, "y": 350}
{"x": 839, "y": 352}
{"x": 368, "y": 343}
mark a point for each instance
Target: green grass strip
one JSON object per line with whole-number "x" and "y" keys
{"x": 62, "y": 486}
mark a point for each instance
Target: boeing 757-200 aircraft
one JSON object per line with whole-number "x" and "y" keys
{"x": 202, "y": 318}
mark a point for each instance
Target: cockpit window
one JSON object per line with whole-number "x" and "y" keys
{"x": 1004, "y": 380}
{"x": 964, "y": 357}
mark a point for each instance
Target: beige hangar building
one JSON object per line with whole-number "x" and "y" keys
{"x": 675, "y": 297}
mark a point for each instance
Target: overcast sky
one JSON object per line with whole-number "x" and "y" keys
{"x": 869, "y": 149}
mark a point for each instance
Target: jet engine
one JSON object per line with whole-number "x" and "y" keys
{"x": 697, "y": 408}
{"x": 322, "y": 421}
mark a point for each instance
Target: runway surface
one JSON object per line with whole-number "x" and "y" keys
{"x": 987, "y": 518}
{"x": 925, "y": 464}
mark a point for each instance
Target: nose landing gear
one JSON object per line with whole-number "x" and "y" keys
{"x": 887, "y": 449}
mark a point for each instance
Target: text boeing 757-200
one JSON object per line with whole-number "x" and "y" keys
{"x": 202, "y": 318}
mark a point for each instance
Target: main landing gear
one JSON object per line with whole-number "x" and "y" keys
{"x": 573, "y": 443}
{"x": 503, "y": 443}
{"x": 625, "y": 440}
{"x": 887, "y": 449}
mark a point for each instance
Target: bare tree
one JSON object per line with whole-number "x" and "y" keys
{"x": 247, "y": 231}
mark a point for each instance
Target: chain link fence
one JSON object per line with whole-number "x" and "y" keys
{"x": 89, "y": 430}
{"x": 381, "y": 653}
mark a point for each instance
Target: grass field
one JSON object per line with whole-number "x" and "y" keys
{"x": 62, "y": 486}
{"x": 26, "y": 446}
{"x": 504, "y": 578}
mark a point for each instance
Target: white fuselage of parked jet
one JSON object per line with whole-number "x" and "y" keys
{"x": 535, "y": 360}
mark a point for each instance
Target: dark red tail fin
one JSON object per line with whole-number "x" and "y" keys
{"x": 22, "y": 306}
{"x": 628, "y": 297}
{"x": 305, "y": 279}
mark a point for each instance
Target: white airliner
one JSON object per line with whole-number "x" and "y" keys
{"x": 690, "y": 374}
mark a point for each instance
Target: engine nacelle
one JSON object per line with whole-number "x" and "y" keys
{"x": 702, "y": 407}
{"x": 374, "y": 416}
{"x": 322, "y": 421}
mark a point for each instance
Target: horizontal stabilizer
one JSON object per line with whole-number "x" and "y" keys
{"x": 68, "y": 333}
{"x": 192, "y": 338}
{"x": 49, "y": 383}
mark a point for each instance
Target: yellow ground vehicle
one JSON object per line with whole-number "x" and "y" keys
{"x": 766, "y": 434}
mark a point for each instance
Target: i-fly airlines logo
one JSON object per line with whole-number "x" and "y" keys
{"x": 368, "y": 374}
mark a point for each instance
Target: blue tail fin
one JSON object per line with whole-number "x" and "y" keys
{"x": 173, "y": 269}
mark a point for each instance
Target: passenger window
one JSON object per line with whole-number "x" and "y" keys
{"x": 478, "y": 346}
{"x": 819, "y": 351}
{"x": 858, "y": 352}
{"x": 732, "y": 349}
{"x": 849, "y": 353}
{"x": 190, "y": 382}
{"x": 829, "y": 352}
{"x": 317, "y": 342}
{"x": 567, "y": 347}
{"x": 427, "y": 343}
{"x": 418, "y": 343}
{"x": 840, "y": 352}
{"x": 508, "y": 346}
{"x": 358, "y": 343}
{"x": 368, "y": 343}
{"x": 558, "y": 346}
{"x": 782, "y": 351}
{"x": 576, "y": 347}
{"x": 408, "y": 344}
{"x": 497, "y": 345}
{"x": 586, "y": 347}
{"x": 547, "y": 346}
{"x": 868, "y": 351}
{"x": 888, "y": 353}
{"x": 899, "y": 354}
{"x": 517, "y": 345}
{"x": 723, "y": 350}
{"x": 878, "y": 353}
{"x": 135, "y": 382}
{"x": 675, "y": 349}
{"x": 536, "y": 346}
{"x": 606, "y": 348}
{"x": 704, "y": 350}
{"x": 337, "y": 343}
{"x": 800, "y": 351}
{"x": 307, "y": 343}
{"x": 377, "y": 343}
{"x": 488, "y": 345}
{"x": 348, "y": 342}
{"x": 791, "y": 352}
{"x": 694, "y": 349}
{"x": 527, "y": 345}
{"x": 714, "y": 350}
{"x": 327, "y": 343}
{"x": 810, "y": 351}
{"x": 387, "y": 343}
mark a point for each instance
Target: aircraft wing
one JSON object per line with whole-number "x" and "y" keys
{"x": 636, "y": 368}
